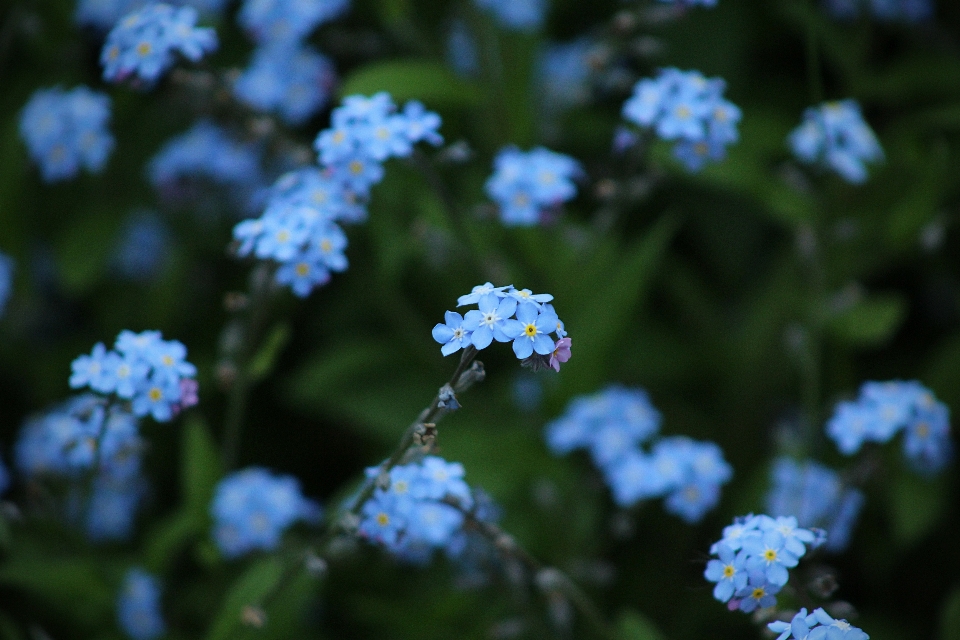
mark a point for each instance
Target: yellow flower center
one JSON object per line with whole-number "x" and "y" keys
{"x": 283, "y": 235}
{"x": 758, "y": 593}
{"x": 530, "y": 330}
{"x": 144, "y": 48}
{"x": 728, "y": 571}
{"x": 770, "y": 555}
{"x": 383, "y": 519}
{"x": 922, "y": 430}
{"x": 167, "y": 360}
{"x": 302, "y": 269}
{"x": 356, "y": 167}
{"x": 155, "y": 394}
{"x": 326, "y": 246}
{"x": 683, "y": 112}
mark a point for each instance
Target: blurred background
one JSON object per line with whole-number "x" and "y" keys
{"x": 747, "y": 299}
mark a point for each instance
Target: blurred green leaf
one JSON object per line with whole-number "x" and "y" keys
{"x": 71, "y": 585}
{"x": 633, "y": 625}
{"x": 871, "y": 321}
{"x": 916, "y": 504}
{"x": 259, "y": 580}
{"x": 950, "y": 616}
{"x": 202, "y": 467}
{"x": 80, "y": 265}
{"x": 164, "y": 539}
{"x": 263, "y": 362}
{"x": 433, "y": 83}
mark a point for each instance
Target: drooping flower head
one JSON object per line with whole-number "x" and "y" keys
{"x": 686, "y": 107}
{"x": 835, "y": 136}
{"x": 144, "y": 44}
{"x": 66, "y": 131}
{"x": 253, "y": 507}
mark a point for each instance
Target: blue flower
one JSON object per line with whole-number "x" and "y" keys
{"x": 686, "y": 107}
{"x": 482, "y": 290}
{"x": 816, "y": 626}
{"x": 252, "y": 508}
{"x": 6, "y": 280}
{"x": 524, "y": 184}
{"x": 67, "y": 130}
{"x": 757, "y": 595}
{"x": 138, "y": 606}
{"x": 284, "y": 21}
{"x": 523, "y": 15}
{"x": 292, "y": 79}
{"x": 452, "y": 335}
{"x": 490, "y": 321}
{"x": 564, "y": 71}
{"x": 113, "y": 507}
{"x": 90, "y": 371}
{"x": 729, "y": 572}
{"x": 835, "y": 135}
{"x": 462, "y": 52}
{"x": 143, "y": 44}
{"x": 143, "y": 247}
{"x": 926, "y": 440}
{"x": 531, "y": 330}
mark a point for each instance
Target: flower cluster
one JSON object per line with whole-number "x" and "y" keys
{"x": 887, "y": 10}
{"x": 506, "y": 314}
{"x": 412, "y": 512}
{"x": 818, "y": 625}
{"x": 84, "y": 436}
{"x": 143, "y": 44}
{"x": 138, "y": 606}
{"x": 298, "y": 229}
{"x": 689, "y": 108}
{"x": 525, "y": 184}
{"x": 523, "y": 15}
{"x": 252, "y": 508}
{"x": 6, "y": 280}
{"x": 291, "y": 79}
{"x": 67, "y": 130}
{"x": 613, "y": 424}
{"x": 143, "y": 247}
{"x": 145, "y": 369}
{"x": 753, "y": 559}
{"x": 835, "y": 135}
{"x": 208, "y": 152}
{"x": 282, "y": 20}
{"x": 885, "y": 408}
{"x": 815, "y": 495}
{"x": 104, "y": 14}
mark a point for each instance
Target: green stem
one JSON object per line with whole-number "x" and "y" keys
{"x": 814, "y": 76}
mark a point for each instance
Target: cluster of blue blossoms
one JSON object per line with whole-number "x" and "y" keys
{"x": 252, "y": 508}
{"x": 689, "y": 108}
{"x": 292, "y": 79}
{"x": 299, "y": 227}
{"x": 818, "y": 625}
{"x": 66, "y": 131}
{"x": 885, "y": 408}
{"x": 613, "y": 424}
{"x": 421, "y": 510}
{"x": 143, "y": 368}
{"x": 526, "y": 184}
{"x": 283, "y": 20}
{"x": 522, "y": 15}
{"x": 816, "y": 496}
{"x": 835, "y": 135}
{"x": 143, "y": 45}
{"x": 287, "y": 76}
{"x": 886, "y": 10}
{"x": 506, "y": 314}
{"x": 753, "y": 559}
{"x": 84, "y": 436}
{"x": 207, "y": 152}
{"x": 104, "y": 14}
{"x": 138, "y": 606}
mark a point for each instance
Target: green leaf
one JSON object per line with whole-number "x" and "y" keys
{"x": 263, "y": 362}
{"x": 249, "y": 590}
{"x": 79, "y": 266}
{"x": 950, "y": 616}
{"x": 633, "y": 625}
{"x": 72, "y": 585}
{"x": 202, "y": 468}
{"x": 916, "y": 505}
{"x": 871, "y": 321}
{"x": 430, "y": 82}
{"x": 168, "y": 536}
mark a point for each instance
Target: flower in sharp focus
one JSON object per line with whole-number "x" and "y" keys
{"x": 561, "y": 353}
{"x": 490, "y": 321}
{"x": 531, "y": 330}
{"x": 452, "y": 335}
{"x": 144, "y": 43}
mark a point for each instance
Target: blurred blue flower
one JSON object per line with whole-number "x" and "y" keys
{"x": 835, "y": 135}
{"x": 885, "y": 10}
{"x": 292, "y": 79}
{"x": 816, "y": 497}
{"x": 112, "y": 508}
{"x": 4, "y": 477}
{"x": 67, "y": 130}
{"x": 104, "y": 14}
{"x": 816, "y": 626}
{"x": 686, "y": 107}
{"x": 523, "y": 15}
{"x": 143, "y": 44}
{"x": 524, "y": 184}
{"x": 143, "y": 247}
{"x": 462, "y": 49}
{"x": 138, "y": 606}
{"x": 286, "y": 20}
{"x": 6, "y": 280}
{"x": 252, "y": 508}
{"x": 564, "y": 73}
